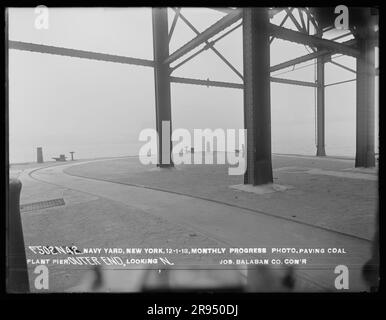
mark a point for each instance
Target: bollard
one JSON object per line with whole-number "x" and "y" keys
{"x": 192, "y": 155}
{"x": 17, "y": 272}
{"x": 39, "y": 151}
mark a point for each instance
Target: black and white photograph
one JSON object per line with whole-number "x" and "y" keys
{"x": 192, "y": 149}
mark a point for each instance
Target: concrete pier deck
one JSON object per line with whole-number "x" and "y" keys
{"x": 122, "y": 203}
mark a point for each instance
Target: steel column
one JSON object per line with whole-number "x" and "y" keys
{"x": 257, "y": 108}
{"x": 365, "y": 131}
{"x": 162, "y": 84}
{"x": 320, "y": 108}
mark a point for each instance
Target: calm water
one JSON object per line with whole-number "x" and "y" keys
{"x": 304, "y": 145}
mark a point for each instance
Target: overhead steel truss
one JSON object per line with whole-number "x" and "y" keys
{"x": 32, "y": 47}
{"x": 327, "y": 47}
{"x": 258, "y": 34}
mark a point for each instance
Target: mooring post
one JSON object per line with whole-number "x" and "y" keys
{"x": 39, "y": 152}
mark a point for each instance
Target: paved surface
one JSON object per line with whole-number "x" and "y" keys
{"x": 93, "y": 221}
{"x": 109, "y": 214}
{"x": 327, "y": 192}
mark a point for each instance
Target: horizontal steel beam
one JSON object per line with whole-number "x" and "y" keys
{"x": 307, "y": 57}
{"x": 24, "y": 46}
{"x": 272, "y": 11}
{"x": 313, "y": 41}
{"x": 226, "y": 10}
{"x": 343, "y": 66}
{"x": 294, "y": 82}
{"x": 32, "y": 47}
{"x": 205, "y": 35}
{"x": 299, "y": 60}
{"x": 209, "y": 83}
{"x": 340, "y": 82}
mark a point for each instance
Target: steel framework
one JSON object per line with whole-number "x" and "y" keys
{"x": 258, "y": 34}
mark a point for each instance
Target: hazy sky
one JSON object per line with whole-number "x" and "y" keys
{"x": 98, "y": 108}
